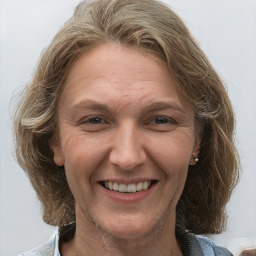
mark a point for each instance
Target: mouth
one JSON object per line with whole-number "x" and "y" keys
{"x": 128, "y": 188}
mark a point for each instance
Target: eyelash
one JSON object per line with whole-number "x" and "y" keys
{"x": 88, "y": 119}
{"x": 167, "y": 120}
{"x": 96, "y": 123}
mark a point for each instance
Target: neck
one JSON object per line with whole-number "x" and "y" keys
{"x": 91, "y": 240}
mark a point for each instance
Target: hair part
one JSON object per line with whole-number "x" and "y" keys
{"x": 151, "y": 26}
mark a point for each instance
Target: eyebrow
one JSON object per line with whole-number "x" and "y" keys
{"x": 91, "y": 104}
{"x": 149, "y": 107}
{"x": 164, "y": 105}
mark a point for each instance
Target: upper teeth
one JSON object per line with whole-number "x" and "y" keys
{"x": 124, "y": 188}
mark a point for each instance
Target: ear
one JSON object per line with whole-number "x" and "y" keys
{"x": 57, "y": 152}
{"x": 194, "y": 158}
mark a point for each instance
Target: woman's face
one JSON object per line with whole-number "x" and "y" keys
{"x": 126, "y": 139}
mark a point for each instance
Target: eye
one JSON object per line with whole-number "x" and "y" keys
{"x": 94, "y": 120}
{"x": 161, "y": 123}
{"x": 164, "y": 120}
{"x": 94, "y": 123}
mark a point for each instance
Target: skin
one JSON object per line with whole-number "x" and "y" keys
{"x": 121, "y": 119}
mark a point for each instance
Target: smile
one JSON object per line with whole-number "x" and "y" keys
{"x": 128, "y": 188}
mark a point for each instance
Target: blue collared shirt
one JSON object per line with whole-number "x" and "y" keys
{"x": 192, "y": 245}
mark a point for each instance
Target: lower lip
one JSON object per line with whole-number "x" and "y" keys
{"x": 128, "y": 198}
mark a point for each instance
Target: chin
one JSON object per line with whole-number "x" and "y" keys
{"x": 125, "y": 228}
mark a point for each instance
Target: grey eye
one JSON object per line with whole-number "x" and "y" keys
{"x": 161, "y": 120}
{"x": 94, "y": 120}
{"x": 164, "y": 120}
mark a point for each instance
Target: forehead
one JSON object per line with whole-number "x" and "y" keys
{"x": 117, "y": 62}
{"x": 111, "y": 70}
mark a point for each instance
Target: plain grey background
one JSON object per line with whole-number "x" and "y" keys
{"x": 226, "y": 31}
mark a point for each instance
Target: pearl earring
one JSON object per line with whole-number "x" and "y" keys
{"x": 195, "y": 158}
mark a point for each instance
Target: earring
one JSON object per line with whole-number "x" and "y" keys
{"x": 196, "y": 159}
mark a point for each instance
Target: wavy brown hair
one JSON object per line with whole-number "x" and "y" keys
{"x": 151, "y": 26}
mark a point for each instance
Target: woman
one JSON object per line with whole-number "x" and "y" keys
{"x": 126, "y": 132}
{"x": 248, "y": 252}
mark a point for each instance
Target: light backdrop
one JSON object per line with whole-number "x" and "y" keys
{"x": 226, "y": 31}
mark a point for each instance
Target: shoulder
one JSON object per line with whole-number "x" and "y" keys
{"x": 48, "y": 249}
{"x": 197, "y": 245}
{"x": 210, "y": 248}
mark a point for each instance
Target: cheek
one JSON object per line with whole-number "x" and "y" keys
{"x": 172, "y": 153}
{"x": 81, "y": 161}
{"x": 82, "y": 155}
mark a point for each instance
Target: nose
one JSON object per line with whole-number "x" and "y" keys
{"x": 127, "y": 151}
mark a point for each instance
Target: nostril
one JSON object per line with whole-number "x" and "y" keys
{"x": 127, "y": 155}
{"x": 127, "y": 162}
